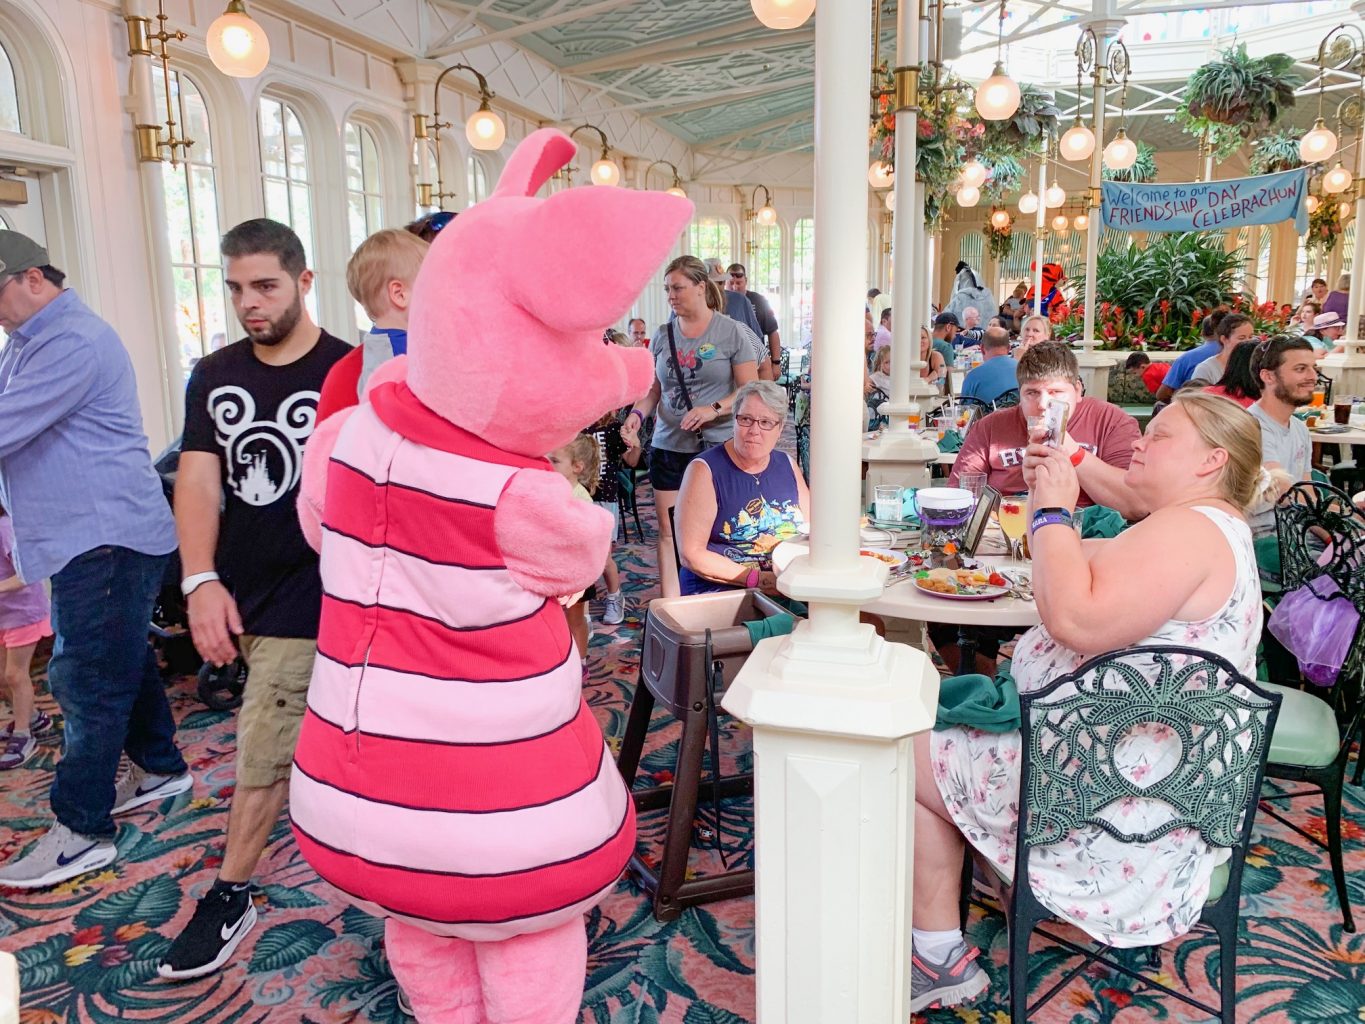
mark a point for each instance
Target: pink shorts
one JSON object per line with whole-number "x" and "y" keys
{"x": 22, "y": 636}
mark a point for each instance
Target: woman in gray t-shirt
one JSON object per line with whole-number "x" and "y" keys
{"x": 715, "y": 357}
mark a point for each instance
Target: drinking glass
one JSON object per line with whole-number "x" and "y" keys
{"x": 1319, "y": 398}
{"x": 914, "y": 420}
{"x": 941, "y": 424}
{"x": 1341, "y": 412}
{"x": 972, "y": 482}
{"x": 887, "y": 506}
{"x": 1013, "y": 517}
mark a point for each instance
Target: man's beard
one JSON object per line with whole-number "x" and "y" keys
{"x": 279, "y": 329}
{"x": 1282, "y": 393}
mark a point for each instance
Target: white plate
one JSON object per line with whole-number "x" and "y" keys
{"x": 989, "y": 593}
{"x": 893, "y": 559}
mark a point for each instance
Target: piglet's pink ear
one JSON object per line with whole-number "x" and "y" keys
{"x": 542, "y": 153}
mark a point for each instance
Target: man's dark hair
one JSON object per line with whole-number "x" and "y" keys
{"x": 736, "y": 268}
{"x": 1230, "y": 323}
{"x": 872, "y": 293}
{"x": 637, "y": 320}
{"x": 263, "y": 235}
{"x": 1269, "y": 354}
{"x": 1318, "y": 280}
{"x": 886, "y": 314}
{"x": 52, "y": 275}
{"x": 1136, "y": 361}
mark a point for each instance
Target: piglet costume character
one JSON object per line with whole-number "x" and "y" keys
{"x": 448, "y": 775}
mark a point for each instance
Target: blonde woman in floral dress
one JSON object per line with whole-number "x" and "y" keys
{"x": 1198, "y": 467}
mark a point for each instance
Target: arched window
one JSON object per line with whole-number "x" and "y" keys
{"x": 192, "y": 228}
{"x": 477, "y": 176}
{"x": 9, "y": 95}
{"x": 284, "y": 174}
{"x": 803, "y": 279}
{"x": 364, "y": 186}
{"x": 709, "y": 238}
{"x": 765, "y": 266}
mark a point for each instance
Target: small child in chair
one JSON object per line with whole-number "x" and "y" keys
{"x": 23, "y": 622}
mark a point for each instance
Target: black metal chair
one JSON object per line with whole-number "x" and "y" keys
{"x": 1008, "y": 400}
{"x": 627, "y": 487}
{"x": 1068, "y": 778}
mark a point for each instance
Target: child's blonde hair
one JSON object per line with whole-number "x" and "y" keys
{"x": 583, "y": 450}
{"x": 619, "y": 338}
{"x": 388, "y": 255}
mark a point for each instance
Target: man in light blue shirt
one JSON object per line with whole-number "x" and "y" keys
{"x": 89, "y": 513}
{"x": 996, "y": 374}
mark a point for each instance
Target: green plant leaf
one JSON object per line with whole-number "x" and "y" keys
{"x": 290, "y": 898}
{"x": 153, "y": 901}
{"x": 288, "y": 944}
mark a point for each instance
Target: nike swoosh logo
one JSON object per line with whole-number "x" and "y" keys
{"x": 226, "y": 932}
{"x": 63, "y": 860}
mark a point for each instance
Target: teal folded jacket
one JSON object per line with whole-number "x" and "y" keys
{"x": 991, "y": 705}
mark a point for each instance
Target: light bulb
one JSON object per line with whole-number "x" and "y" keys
{"x": 677, "y": 190}
{"x": 237, "y": 45}
{"x": 485, "y": 129}
{"x": 1081, "y": 221}
{"x": 1078, "y": 142}
{"x": 1055, "y": 196}
{"x": 605, "y": 172}
{"x": 997, "y": 98}
{"x": 1318, "y": 145}
{"x": 1028, "y": 202}
{"x": 974, "y": 173}
{"x": 891, "y": 200}
{"x": 968, "y": 195}
{"x": 1000, "y": 220}
{"x": 1343, "y": 211}
{"x": 1060, "y": 223}
{"x": 766, "y": 216}
{"x": 1311, "y": 204}
{"x": 782, "y": 14}
{"x": 1338, "y": 179}
{"x": 881, "y": 174}
{"x": 1122, "y": 153}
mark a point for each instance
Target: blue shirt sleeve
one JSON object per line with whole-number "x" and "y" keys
{"x": 47, "y": 388}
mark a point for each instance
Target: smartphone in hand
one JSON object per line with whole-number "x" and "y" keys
{"x": 1054, "y": 423}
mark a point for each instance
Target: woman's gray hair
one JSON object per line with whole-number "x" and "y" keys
{"x": 774, "y": 397}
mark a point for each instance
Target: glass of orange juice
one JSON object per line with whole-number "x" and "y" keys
{"x": 1319, "y": 398}
{"x": 914, "y": 419}
{"x": 1013, "y": 517}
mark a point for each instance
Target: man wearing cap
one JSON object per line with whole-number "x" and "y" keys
{"x": 737, "y": 307}
{"x": 946, "y": 326}
{"x": 88, "y": 510}
{"x": 738, "y": 281}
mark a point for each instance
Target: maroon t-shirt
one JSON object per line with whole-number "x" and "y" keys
{"x": 995, "y": 445}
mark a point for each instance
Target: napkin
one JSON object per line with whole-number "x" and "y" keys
{"x": 1101, "y": 521}
{"x": 773, "y": 625}
{"x": 952, "y": 442}
{"x": 991, "y": 705}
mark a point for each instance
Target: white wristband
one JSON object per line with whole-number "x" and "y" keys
{"x": 192, "y": 583}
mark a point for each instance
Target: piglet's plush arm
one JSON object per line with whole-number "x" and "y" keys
{"x": 317, "y": 453}
{"x": 552, "y": 542}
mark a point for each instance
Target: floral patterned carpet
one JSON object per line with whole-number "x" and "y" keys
{"x": 88, "y": 949}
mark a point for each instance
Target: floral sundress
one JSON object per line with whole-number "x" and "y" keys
{"x": 1087, "y": 879}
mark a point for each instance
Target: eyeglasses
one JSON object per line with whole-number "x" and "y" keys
{"x": 751, "y": 421}
{"x": 737, "y": 277}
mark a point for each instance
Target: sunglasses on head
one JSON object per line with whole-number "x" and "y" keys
{"x": 439, "y": 220}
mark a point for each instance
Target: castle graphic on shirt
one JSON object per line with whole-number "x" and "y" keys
{"x": 263, "y": 458}
{"x": 758, "y": 527}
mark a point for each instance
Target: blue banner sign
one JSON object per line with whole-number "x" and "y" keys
{"x": 1208, "y": 205}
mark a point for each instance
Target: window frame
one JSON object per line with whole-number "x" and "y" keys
{"x": 289, "y": 108}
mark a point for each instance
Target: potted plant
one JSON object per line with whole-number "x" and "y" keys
{"x": 1037, "y": 116}
{"x": 1324, "y": 228}
{"x": 1278, "y": 151}
{"x": 1236, "y": 96}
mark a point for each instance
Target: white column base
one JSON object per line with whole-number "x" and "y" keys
{"x": 899, "y": 456}
{"x": 1347, "y": 370}
{"x": 834, "y": 807}
{"x": 1095, "y": 367}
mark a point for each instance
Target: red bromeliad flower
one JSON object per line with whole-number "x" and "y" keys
{"x": 1141, "y": 316}
{"x": 1165, "y": 305}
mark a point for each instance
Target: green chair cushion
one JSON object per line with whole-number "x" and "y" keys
{"x": 1218, "y": 882}
{"x": 1306, "y": 732}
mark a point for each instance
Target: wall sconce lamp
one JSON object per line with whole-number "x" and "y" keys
{"x": 605, "y": 171}
{"x": 484, "y": 131}
{"x": 237, "y": 45}
{"x": 148, "y": 136}
{"x": 765, "y": 214}
{"x": 674, "y": 189}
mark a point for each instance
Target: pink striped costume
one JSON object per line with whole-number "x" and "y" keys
{"x": 448, "y": 773}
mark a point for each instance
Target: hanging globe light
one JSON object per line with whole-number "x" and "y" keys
{"x": 974, "y": 173}
{"x": 968, "y": 195}
{"x": 1060, "y": 223}
{"x": 1000, "y": 219}
{"x": 1343, "y": 211}
{"x": 237, "y": 45}
{"x": 1337, "y": 180}
{"x": 1078, "y": 142}
{"x": 1028, "y": 202}
{"x": 1122, "y": 153}
{"x": 606, "y": 172}
{"x": 891, "y": 200}
{"x": 1318, "y": 144}
{"x": 1081, "y": 221}
{"x": 485, "y": 129}
{"x": 1311, "y": 204}
{"x": 1055, "y": 196}
{"x": 676, "y": 190}
{"x": 881, "y": 174}
{"x": 782, "y": 14}
{"x": 997, "y": 98}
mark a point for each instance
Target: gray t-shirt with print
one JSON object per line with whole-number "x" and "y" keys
{"x": 1291, "y": 447}
{"x": 708, "y": 363}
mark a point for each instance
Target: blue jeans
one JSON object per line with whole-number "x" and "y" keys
{"x": 105, "y": 679}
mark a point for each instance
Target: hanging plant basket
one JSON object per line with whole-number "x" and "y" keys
{"x": 1324, "y": 228}
{"x": 1278, "y": 151}
{"x": 999, "y": 241}
{"x": 1233, "y": 98}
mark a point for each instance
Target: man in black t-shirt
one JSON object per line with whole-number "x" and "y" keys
{"x": 738, "y": 281}
{"x": 253, "y": 583}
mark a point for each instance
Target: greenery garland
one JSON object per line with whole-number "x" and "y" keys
{"x": 1324, "y": 227}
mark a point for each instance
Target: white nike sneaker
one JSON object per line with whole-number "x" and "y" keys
{"x": 58, "y": 856}
{"x": 136, "y": 787}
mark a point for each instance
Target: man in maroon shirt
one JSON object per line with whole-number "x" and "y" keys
{"x": 1099, "y": 436}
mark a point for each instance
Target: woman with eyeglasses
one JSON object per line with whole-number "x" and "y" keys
{"x": 700, "y": 359}
{"x": 740, "y": 500}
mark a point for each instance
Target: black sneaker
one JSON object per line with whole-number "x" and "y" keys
{"x": 222, "y": 920}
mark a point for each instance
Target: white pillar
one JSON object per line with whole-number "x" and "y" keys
{"x": 833, "y": 705}
{"x": 1347, "y": 370}
{"x": 901, "y": 455}
{"x": 1041, "y": 226}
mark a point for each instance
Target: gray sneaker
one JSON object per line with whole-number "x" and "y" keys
{"x": 614, "y": 609}
{"x": 58, "y": 856}
{"x": 15, "y": 749}
{"x": 136, "y": 787}
{"x": 959, "y": 979}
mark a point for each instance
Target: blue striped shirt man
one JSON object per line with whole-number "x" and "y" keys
{"x": 75, "y": 472}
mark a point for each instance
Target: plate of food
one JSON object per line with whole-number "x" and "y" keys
{"x": 962, "y": 584}
{"x": 893, "y": 559}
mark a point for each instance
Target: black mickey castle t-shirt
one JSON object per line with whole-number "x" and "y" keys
{"x": 256, "y": 418}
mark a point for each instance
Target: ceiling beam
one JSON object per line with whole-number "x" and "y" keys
{"x": 689, "y": 48}
{"x": 467, "y": 18}
{"x": 469, "y": 10}
{"x": 780, "y": 122}
{"x": 670, "y": 104}
{"x": 550, "y": 21}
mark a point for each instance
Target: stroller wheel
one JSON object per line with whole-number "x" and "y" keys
{"x": 221, "y": 687}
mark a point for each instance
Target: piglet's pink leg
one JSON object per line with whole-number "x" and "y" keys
{"x": 536, "y": 978}
{"x": 439, "y": 975}
{"x": 552, "y": 542}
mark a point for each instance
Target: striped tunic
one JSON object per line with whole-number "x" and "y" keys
{"x": 448, "y": 773}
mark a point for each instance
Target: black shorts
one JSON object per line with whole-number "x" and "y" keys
{"x": 988, "y": 638}
{"x": 666, "y": 468}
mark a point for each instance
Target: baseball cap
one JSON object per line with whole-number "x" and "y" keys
{"x": 715, "y": 270}
{"x": 19, "y": 253}
{"x": 944, "y": 319}
{"x": 1327, "y": 320}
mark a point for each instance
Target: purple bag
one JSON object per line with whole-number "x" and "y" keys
{"x": 1317, "y": 628}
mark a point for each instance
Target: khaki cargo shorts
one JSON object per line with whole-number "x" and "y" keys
{"x": 273, "y": 703}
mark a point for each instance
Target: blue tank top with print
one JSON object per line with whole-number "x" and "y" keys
{"x": 754, "y": 512}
